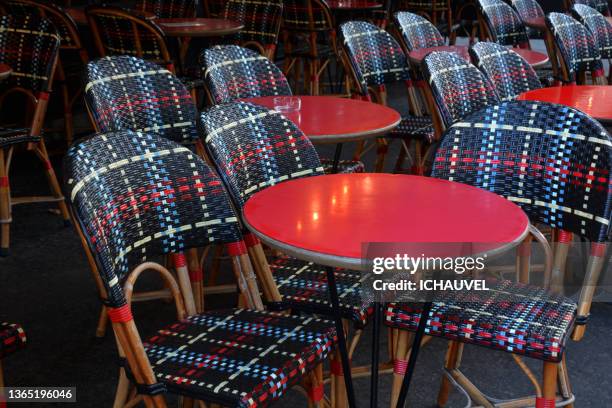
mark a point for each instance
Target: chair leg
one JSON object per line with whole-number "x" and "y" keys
{"x": 453, "y": 359}
{"x": 41, "y": 152}
{"x": 123, "y": 390}
{"x": 314, "y": 386}
{"x": 549, "y": 386}
{"x": 5, "y": 206}
{"x": 68, "y": 123}
{"x": 400, "y": 361}
{"x": 102, "y": 323}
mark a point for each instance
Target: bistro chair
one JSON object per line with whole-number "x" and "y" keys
{"x": 232, "y": 73}
{"x": 33, "y": 71}
{"x": 599, "y": 5}
{"x": 309, "y": 38}
{"x": 506, "y": 70}
{"x": 375, "y": 60}
{"x": 234, "y": 134}
{"x": 457, "y": 87}
{"x": 157, "y": 198}
{"x": 439, "y": 12}
{"x": 72, "y": 57}
{"x": 515, "y": 317}
{"x": 600, "y": 28}
{"x": 528, "y": 9}
{"x": 118, "y": 32}
{"x": 504, "y": 26}
{"x": 12, "y": 339}
{"x": 417, "y": 32}
{"x": 169, "y": 8}
{"x": 577, "y": 50}
{"x": 262, "y": 22}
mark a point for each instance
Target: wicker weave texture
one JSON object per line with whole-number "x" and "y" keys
{"x": 307, "y": 15}
{"x": 505, "y": 24}
{"x": 261, "y": 20}
{"x": 12, "y": 338}
{"x": 599, "y": 5}
{"x": 527, "y": 9}
{"x": 552, "y": 160}
{"x": 137, "y": 195}
{"x": 417, "y": 31}
{"x": 598, "y": 25}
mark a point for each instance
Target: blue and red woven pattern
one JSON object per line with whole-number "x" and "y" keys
{"x": 137, "y": 195}
{"x": 29, "y": 45}
{"x": 509, "y": 72}
{"x": 599, "y": 5}
{"x": 15, "y": 136}
{"x": 12, "y": 338}
{"x": 303, "y": 286}
{"x": 241, "y": 358}
{"x": 417, "y": 31}
{"x": 233, "y": 72}
{"x": 504, "y": 24}
{"x": 552, "y": 160}
{"x": 168, "y": 8}
{"x": 261, "y": 20}
{"x": 528, "y": 9}
{"x": 254, "y": 148}
{"x": 127, "y": 93}
{"x": 576, "y": 44}
{"x": 458, "y": 87}
{"x": 307, "y": 15}
{"x": 510, "y": 316}
{"x": 598, "y": 25}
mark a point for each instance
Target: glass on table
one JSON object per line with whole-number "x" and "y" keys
{"x": 287, "y": 104}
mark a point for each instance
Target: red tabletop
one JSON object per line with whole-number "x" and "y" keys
{"x": 538, "y": 23}
{"x": 534, "y": 58}
{"x": 198, "y": 27}
{"x": 327, "y": 119}
{"x": 353, "y": 4}
{"x": 5, "y": 71}
{"x": 326, "y": 219}
{"x": 594, "y": 100}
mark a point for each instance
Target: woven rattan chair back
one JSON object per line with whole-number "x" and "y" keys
{"x": 433, "y": 10}
{"x": 169, "y": 8}
{"x": 30, "y": 46}
{"x": 528, "y": 9}
{"x": 598, "y": 25}
{"x": 509, "y": 72}
{"x": 136, "y": 196}
{"x": 232, "y": 72}
{"x": 376, "y": 58}
{"x": 214, "y": 8}
{"x": 307, "y": 16}
{"x": 552, "y": 160}
{"x": 504, "y": 24}
{"x": 254, "y": 147}
{"x": 63, "y": 22}
{"x": 127, "y": 93}
{"x": 599, "y": 5}
{"x": 261, "y": 21}
{"x": 417, "y": 31}
{"x": 576, "y": 46}
{"x": 458, "y": 87}
{"x": 119, "y": 32}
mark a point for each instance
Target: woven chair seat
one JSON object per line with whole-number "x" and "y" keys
{"x": 303, "y": 286}
{"x": 10, "y": 137}
{"x": 513, "y": 317}
{"x": 344, "y": 166}
{"x": 12, "y": 338}
{"x": 416, "y": 127}
{"x": 238, "y": 358}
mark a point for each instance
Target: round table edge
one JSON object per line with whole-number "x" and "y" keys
{"x": 354, "y": 137}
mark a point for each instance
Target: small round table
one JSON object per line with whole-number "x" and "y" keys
{"x": 198, "y": 27}
{"x": 594, "y": 100}
{"x": 534, "y": 58}
{"x": 5, "y": 71}
{"x": 327, "y": 219}
{"x": 328, "y": 119}
{"x": 351, "y": 5}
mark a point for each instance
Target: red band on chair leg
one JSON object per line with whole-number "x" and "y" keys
{"x": 545, "y": 402}
{"x": 598, "y": 73}
{"x": 196, "y": 275}
{"x": 251, "y": 240}
{"x": 400, "y": 366}
{"x": 598, "y": 250}
{"x": 4, "y": 181}
{"x": 524, "y": 249}
{"x": 236, "y": 248}
{"x": 120, "y": 314}
{"x": 43, "y": 96}
{"x": 382, "y": 88}
{"x": 47, "y": 165}
{"x": 180, "y": 260}
{"x": 565, "y": 237}
{"x": 335, "y": 367}
{"x": 315, "y": 394}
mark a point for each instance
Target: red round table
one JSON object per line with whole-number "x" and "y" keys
{"x": 594, "y": 100}
{"x": 534, "y": 58}
{"x": 197, "y": 27}
{"x": 5, "y": 71}
{"x": 342, "y": 5}
{"x": 327, "y": 219}
{"x": 328, "y": 119}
